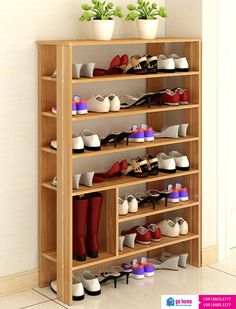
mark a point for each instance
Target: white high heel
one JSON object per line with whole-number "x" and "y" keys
{"x": 123, "y": 207}
{"x": 87, "y": 179}
{"x": 127, "y": 240}
{"x": 183, "y": 127}
{"x": 169, "y": 132}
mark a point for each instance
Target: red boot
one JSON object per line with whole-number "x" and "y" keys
{"x": 94, "y": 211}
{"x": 80, "y": 211}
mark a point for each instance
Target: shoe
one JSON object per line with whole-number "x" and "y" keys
{"x": 168, "y": 132}
{"x": 146, "y": 197}
{"x": 114, "y": 103}
{"x": 137, "y": 169}
{"x": 77, "y": 144}
{"x": 148, "y": 133}
{"x": 98, "y": 104}
{"x": 93, "y": 219}
{"x": 143, "y": 235}
{"x": 181, "y": 63}
{"x": 166, "y": 65}
{"x": 169, "y": 228}
{"x": 91, "y": 284}
{"x": 91, "y": 140}
{"x": 148, "y": 267}
{"x": 76, "y": 68}
{"x": 171, "y": 98}
{"x": 86, "y": 179}
{"x": 137, "y": 269}
{"x": 132, "y": 203}
{"x": 169, "y": 262}
{"x": 80, "y": 211}
{"x": 183, "y": 225}
{"x": 184, "y": 95}
{"x": 117, "y": 169}
{"x": 80, "y": 69}
{"x": 122, "y": 272}
{"x": 77, "y": 288}
{"x": 107, "y": 276}
{"x": 123, "y": 207}
{"x": 137, "y": 65}
{"x": 54, "y": 109}
{"x": 174, "y": 195}
{"x": 166, "y": 164}
{"x": 116, "y": 137}
{"x": 81, "y": 105}
{"x": 181, "y": 161}
{"x": 127, "y": 240}
{"x": 152, "y": 64}
{"x": 183, "y": 194}
{"x": 155, "y": 232}
{"x": 137, "y": 135}
{"x": 152, "y": 164}
{"x": 183, "y": 129}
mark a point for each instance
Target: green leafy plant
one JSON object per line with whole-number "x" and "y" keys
{"x": 100, "y": 10}
{"x": 145, "y": 10}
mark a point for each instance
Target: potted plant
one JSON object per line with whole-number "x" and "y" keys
{"x": 145, "y": 14}
{"x": 101, "y": 16}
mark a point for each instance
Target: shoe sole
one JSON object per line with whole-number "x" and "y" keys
{"x": 166, "y": 71}
{"x": 155, "y": 239}
{"x": 82, "y": 112}
{"x": 173, "y": 200}
{"x": 92, "y": 148}
{"x": 78, "y": 150}
{"x": 137, "y": 277}
{"x": 167, "y": 171}
{"x": 182, "y": 168}
{"x": 149, "y": 139}
{"x": 183, "y": 199}
{"x": 143, "y": 242}
{"x": 92, "y": 293}
{"x": 137, "y": 140}
{"x": 149, "y": 274}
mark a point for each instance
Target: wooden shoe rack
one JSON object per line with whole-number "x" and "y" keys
{"x": 55, "y": 204}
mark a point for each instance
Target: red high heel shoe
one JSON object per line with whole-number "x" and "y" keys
{"x": 116, "y": 170}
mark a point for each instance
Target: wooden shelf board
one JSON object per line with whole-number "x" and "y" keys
{"x": 165, "y": 241}
{"x": 122, "y": 147}
{"x": 106, "y": 257}
{"x": 146, "y": 210}
{"x": 116, "y": 77}
{"x": 124, "y": 181}
{"x": 118, "y": 41}
{"x": 126, "y": 112}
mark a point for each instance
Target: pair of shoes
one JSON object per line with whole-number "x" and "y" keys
{"x": 86, "y": 217}
{"x": 85, "y": 140}
{"x": 172, "y": 63}
{"x": 170, "y": 261}
{"x": 151, "y": 98}
{"x": 127, "y": 240}
{"x": 80, "y": 69}
{"x": 116, "y": 273}
{"x": 116, "y": 170}
{"x": 142, "y": 167}
{"x": 152, "y": 196}
{"x": 100, "y": 104}
{"x": 175, "y": 131}
{"x": 140, "y": 269}
{"x": 86, "y": 283}
{"x": 116, "y": 137}
{"x": 79, "y": 106}
{"x": 141, "y": 134}
{"x": 173, "y": 228}
{"x": 141, "y": 65}
{"x": 85, "y": 179}
{"x": 117, "y": 66}
{"x": 128, "y": 204}
{"x": 175, "y": 97}
{"x": 172, "y": 162}
{"x": 178, "y": 193}
{"x": 145, "y": 234}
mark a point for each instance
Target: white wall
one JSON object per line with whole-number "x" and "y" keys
{"x": 199, "y": 18}
{"x": 22, "y": 23}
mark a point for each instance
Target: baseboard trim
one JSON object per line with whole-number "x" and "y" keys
{"x": 19, "y": 282}
{"x": 210, "y": 255}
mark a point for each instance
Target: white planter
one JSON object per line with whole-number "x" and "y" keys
{"x": 147, "y": 29}
{"x": 103, "y": 29}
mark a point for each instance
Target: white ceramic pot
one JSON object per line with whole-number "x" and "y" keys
{"x": 147, "y": 29}
{"x": 103, "y": 29}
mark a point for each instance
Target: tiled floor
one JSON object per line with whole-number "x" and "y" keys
{"x": 214, "y": 279}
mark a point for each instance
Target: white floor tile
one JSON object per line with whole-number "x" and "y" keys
{"x": 48, "y": 305}
{"x": 46, "y": 292}
{"x": 229, "y": 265}
{"x": 20, "y": 300}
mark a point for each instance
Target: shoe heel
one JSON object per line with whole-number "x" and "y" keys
{"x": 115, "y": 283}
{"x": 130, "y": 240}
{"x": 183, "y": 260}
{"x": 121, "y": 243}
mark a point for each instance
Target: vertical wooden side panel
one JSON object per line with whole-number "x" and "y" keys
{"x": 64, "y": 173}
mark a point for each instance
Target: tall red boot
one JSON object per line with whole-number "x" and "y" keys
{"x": 94, "y": 211}
{"x": 80, "y": 211}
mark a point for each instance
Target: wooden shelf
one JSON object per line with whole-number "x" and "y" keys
{"x": 106, "y": 257}
{"x": 126, "y": 112}
{"x": 122, "y": 147}
{"x": 123, "y": 181}
{"x": 116, "y": 77}
{"x": 146, "y": 210}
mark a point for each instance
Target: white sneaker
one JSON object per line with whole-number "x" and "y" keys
{"x": 169, "y": 228}
{"x": 181, "y": 161}
{"x": 181, "y": 63}
{"x": 183, "y": 225}
{"x": 114, "y": 103}
{"x": 98, "y": 104}
{"x": 91, "y": 284}
{"x": 77, "y": 288}
{"x": 123, "y": 207}
{"x": 91, "y": 140}
{"x": 165, "y": 64}
{"x": 132, "y": 203}
{"x": 166, "y": 164}
{"x": 77, "y": 144}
